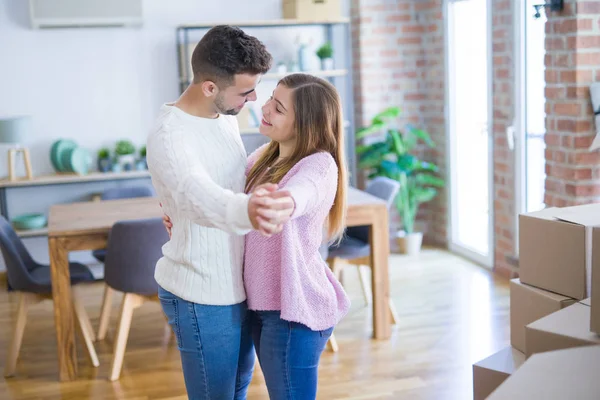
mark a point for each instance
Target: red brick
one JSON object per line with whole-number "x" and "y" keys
{"x": 385, "y": 30}
{"x": 583, "y": 174}
{"x": 588, "y": 7}
{"x": 499, "y": 47}
{"x": 429, "y": 5}
{"x": 584, "y": 42}
{"x": 554, "y": 92}
{"x": 585, "y": 158}
{"x": 583, "y": 126}
{"x": 413, "y": 28}
{"x": 567, "y": 125}
{"x": 409, "y": 40}
{"x": 399, "y": 18}
{"x": 581, "y": 190}
{"x": 555, "y": 44}
{"x": 552, "y": 76}
{"x": 502, "y": 73}
{"x": 568, "y": 109}
{"x": 568, "y": 76}
{"x": 578, "y": 92}
{"x": 552, "y": 140}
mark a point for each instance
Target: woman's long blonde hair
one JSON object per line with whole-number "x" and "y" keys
{"x": 319, "y": 127}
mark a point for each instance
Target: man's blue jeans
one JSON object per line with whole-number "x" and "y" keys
{"x": 215, "y": 344}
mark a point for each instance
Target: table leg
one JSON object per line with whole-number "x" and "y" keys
{"x": 380, "y": 251}
{"x": 63, "y": 309}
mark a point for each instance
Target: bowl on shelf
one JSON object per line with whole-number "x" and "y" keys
{"x": 67, "y": 157}
{"x": 29, "y": 221}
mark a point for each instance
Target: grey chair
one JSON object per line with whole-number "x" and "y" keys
{"x": 32, "y": 282}
{"x": 128, "y": 192}
{"x": 355, "y": 248}
{"x": 134, "y": 247}
{"x": 254, "y": 141}
{"x": 324, "y": 252}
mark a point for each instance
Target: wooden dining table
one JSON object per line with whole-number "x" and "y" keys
{"x": 86, "y": 225}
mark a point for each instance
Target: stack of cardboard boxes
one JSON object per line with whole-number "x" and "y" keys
{"x": 551, "y": 305}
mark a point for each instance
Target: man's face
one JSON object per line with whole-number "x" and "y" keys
{"x": 231, "y": 100}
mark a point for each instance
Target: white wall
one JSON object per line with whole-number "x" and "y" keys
{"x": 98, "y": 85}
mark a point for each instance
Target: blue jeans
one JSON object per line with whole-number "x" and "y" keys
{"x": 289, "y": 355}
{"x": 215, "y": 344}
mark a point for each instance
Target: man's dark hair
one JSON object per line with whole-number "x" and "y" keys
{"x": 225, "y": 51}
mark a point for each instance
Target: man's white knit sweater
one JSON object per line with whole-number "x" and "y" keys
{"x": 197, "y": 167}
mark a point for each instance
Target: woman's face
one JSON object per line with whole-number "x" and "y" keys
{"x": 278, "y": 116}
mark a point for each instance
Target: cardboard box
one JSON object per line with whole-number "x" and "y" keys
{"x": 557, "y": 375}
{"x": 555, "y": 249}
{"x": 595, "y": 304}
{"x": 527, "y": 305}
{"x": 489, "y": 373}
{"x": 312, "y": 9}
{"x": 569, "y": 327}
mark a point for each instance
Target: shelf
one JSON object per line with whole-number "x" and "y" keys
{"x": 33, "y": 233}
{"x": 279, "y": 75}
{"x": 58, "y": 179}
{"x": 268, "y": 23}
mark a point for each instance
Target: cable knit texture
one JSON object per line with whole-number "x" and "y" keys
{"x": 197, "y": 168}
{"x": 286, "y": 272}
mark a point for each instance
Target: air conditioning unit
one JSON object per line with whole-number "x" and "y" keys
{"x": 85, "y": 13}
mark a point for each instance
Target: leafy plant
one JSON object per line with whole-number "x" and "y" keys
{"x": 143, "y": 151}
{"x": 124, "y": 147}
{"x": 103, "y": 153}
{"x": 391, "y": 157}
{"x": 325, "y": 51}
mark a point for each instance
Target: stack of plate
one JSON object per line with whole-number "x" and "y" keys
{"x": 66, "y": 156}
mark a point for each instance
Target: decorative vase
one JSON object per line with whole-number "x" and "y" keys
{"x": 126, "y": 161}
{"x": 104, "y": 165}
{"x": 327, "y": 64}
{"x": 141, "y": 164}
{"x": 409, "y": 243}
{"x": 116, "y": 167}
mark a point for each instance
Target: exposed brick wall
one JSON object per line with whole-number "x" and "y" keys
{"x": 503, "y": 74}
{"x": 572, "y": 63}
{"x": 399, "y": 60}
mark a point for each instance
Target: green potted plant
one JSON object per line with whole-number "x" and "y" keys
{"x": 325, "y": 54}
{"x": 141, "y": 163}
{"x": 104, "y": 162}
{"x": 125, "y": 151}
{"x": 391, "y": 155}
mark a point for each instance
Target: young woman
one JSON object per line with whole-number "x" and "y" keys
{"x": 293, "y": 297}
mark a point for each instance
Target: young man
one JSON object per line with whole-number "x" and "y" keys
{"x": 197, "y": 161}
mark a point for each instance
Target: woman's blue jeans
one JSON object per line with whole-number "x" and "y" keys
{"x": 289, "y": 355}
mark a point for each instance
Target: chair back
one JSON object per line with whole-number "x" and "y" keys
{"x": 381, "y": 187}
{"x": 133, "y": 249}
{"x": 128, "y": 192}
{"x": 18, "y": 261}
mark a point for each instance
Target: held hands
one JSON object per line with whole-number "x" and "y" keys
{"x": 268, "y": 210}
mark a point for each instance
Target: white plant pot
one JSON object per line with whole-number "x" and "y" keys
{"x": 410, "y": 243}
{"x": 327, "y": 64}
{"x": 126, "y": 162}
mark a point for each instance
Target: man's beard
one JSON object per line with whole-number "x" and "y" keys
{"x": 222, "y": 110}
